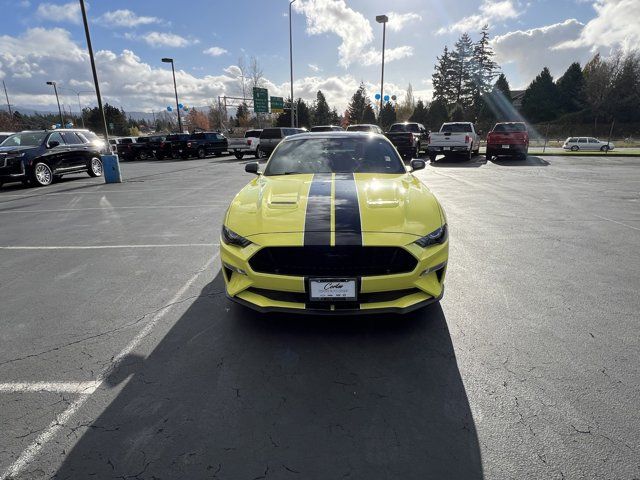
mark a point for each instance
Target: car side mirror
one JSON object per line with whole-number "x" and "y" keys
{"x": 417, "y": 164}
{"x": 53, "y": 143}
{"x": 252, "y": 168}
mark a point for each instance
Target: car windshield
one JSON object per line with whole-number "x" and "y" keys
{"x": 335, "y": 155}
{"x": 321, "y": 129}
{"x": 360, "y": 128}
{"x": 456, "y": 128}
{"x": 405, "y": 127}
{"x": 510, "y": 127}
{"x": 27, "y": 139}
{"x": 179, "y": 136}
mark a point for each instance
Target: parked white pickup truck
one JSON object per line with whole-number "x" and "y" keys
{"x": 454, "y": 138}
{"x": 247, "y": 145}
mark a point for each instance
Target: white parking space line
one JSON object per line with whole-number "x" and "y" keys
{"x": 103, "y": 247}
{"x": 60, "y": 421}
{"x": 86, "y": 388}
{"x": 139, "y": 207}
{"x": 101, "y": 192}
{"x": 615, "y": 221}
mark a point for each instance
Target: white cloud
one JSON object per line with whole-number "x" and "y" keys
{"x": 616, "y": 24}
{"x": 215, "y": 51}
{"x": 531, "y": 50}
{"x": 39, "y": 55}
{"x": 163, "y": 39}
{"x": 24, "y": 3}
{"x": 126, "y": 18}
{"x": 374, "y": 57}
{"x": 334, "y": 16}
{"x": 397, "y": 21}
{"x": 314, "y": 68}
{"x": 491, "y": 11}
{"x": 59, "y": 13}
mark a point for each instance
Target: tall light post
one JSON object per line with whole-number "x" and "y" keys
{"x": 94, "y": 71}
{"x": 291, "y": 59}
{"x": 383, "y": 19}
{"x": 55, "y": 89}
{"x": 175, "y": 89}
{"x": 78, "y": 93}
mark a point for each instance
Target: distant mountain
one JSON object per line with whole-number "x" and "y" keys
{"x": 139, "y": 116}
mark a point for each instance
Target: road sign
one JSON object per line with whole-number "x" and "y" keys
{"x": 260, "y": 100}
{"x": 277, "y": 104}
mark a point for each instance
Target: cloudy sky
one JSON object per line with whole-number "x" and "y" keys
{"x": 336, "y": 44}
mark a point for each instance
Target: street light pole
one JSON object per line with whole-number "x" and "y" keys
{"x": 55, "y": 89}
{"x": 175, "y": 89}
{"x": 291, "y": 60}
{"x": 94, "y": 71}
{"x": 383, "y": 19}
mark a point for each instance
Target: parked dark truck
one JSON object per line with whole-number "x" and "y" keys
{"x": 199, "y": 145}
{"x": 508, "y": 139}
{"x": 141, "y": 149}
{"x": 408, "y": 138}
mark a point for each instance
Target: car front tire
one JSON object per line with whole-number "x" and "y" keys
{"x": 201, "y": 153}
{"x": 42, "y": 175}
{"x": 95, "y": 167}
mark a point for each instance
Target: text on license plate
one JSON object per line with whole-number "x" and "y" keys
{"x": 331, "y": 289}
{"x": 505, "y": 146}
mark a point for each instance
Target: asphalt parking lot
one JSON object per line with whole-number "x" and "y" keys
{"x": 121, "y": 358}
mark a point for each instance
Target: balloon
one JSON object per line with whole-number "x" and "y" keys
{"x": 386, "y": 98}
{"x": 393, "y": 97}
{"x": 169, "y": 108}
{"x": 377, "y": 96}
{"x": 180, "y": 105}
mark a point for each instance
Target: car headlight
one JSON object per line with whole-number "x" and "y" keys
{"x": 232, "y": 238}
{"x": 437, "y": 237}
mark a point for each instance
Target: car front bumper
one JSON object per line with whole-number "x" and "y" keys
{"x": 395, "y": 293}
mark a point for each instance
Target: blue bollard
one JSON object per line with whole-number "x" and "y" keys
{"x": 111, "y": 169}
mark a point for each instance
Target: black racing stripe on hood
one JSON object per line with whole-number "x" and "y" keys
{"x": 347, "y": 210}
{"x": 317, "y": 224}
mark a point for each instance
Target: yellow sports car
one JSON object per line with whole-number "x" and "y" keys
{"x": 335, "y": 224}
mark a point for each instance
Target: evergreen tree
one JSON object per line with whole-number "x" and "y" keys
{"x": 462, "y": 72}
{"x": 571, "y": 89}
{"x": 116, "y": 120}
{"x": 369, "y": 115}
{"x": 358, "y": 104}
{"x": 387, "y": 116}
{"x": 334, "y": 117}
{"x": 484, "y": 68}
{"x": 321, "y": 111}
{"x": 304, "y": 114}
{"x": 502, "y": 86}
{"x": 438, "y": 113}
{"x": 497, "y": 104}
{"x": 442, "y": 77}
{"x": 242, "y": 115}
{"x": 420, "y": 114}
{"x": 541, "y": 102}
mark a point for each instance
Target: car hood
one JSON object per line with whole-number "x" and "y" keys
{"x": 360, "y": 203}
{"x": 15, "y": 149}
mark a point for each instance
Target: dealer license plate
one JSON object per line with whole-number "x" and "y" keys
{"x": 332, "y": 289}
{"x": 505, "y": 146}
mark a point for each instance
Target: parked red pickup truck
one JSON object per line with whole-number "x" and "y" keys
{"x": 508, "y": 139}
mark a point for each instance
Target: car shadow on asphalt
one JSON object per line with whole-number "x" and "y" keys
{"x": 531, "y": 161}
{"x": 230, "y": 393}
{"x": 459, "y": 162}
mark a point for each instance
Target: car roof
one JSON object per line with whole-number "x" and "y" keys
{"x": 332, "y": 134}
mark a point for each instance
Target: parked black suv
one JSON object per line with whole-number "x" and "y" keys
{"x": 200, "y": 145}
{"x": 40, "y": 156}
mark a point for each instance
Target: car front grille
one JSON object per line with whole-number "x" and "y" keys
{"x": 337, "y": 261}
